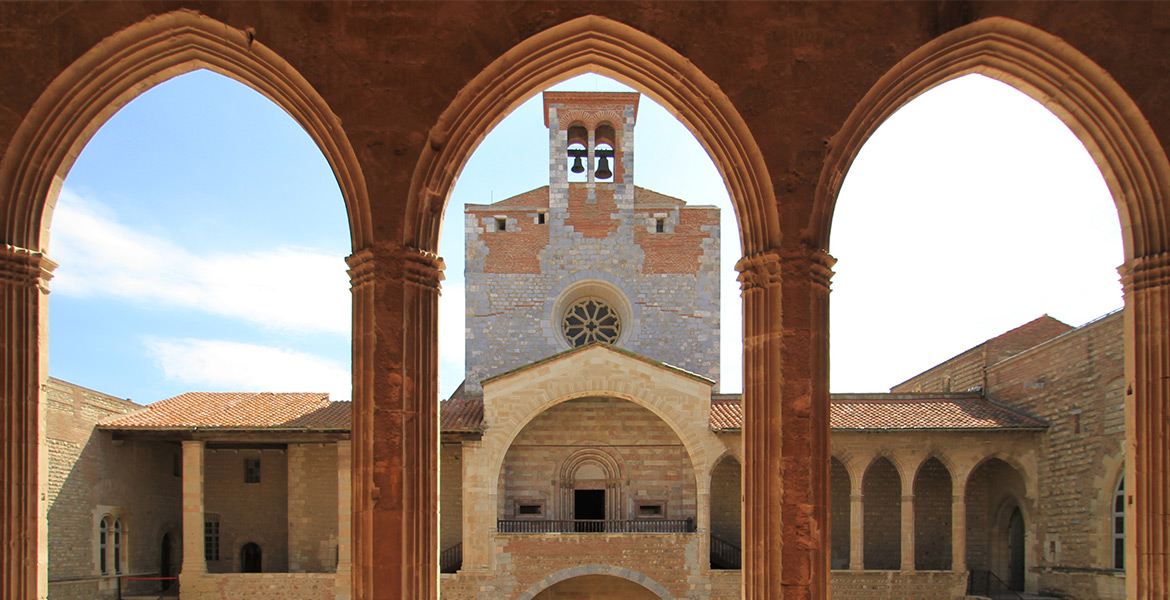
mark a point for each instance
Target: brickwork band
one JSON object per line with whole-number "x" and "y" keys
{"x": 24, "y": 275}
{"x": 1146, "y": 282}
{"x": 395, "y": 436}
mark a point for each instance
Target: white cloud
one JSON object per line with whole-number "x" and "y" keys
{"x": 221, "y": 365}
{"x": 281, "y": 288}
{"x": 451, "y": 336}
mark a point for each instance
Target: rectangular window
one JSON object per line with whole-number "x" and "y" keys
{"x": 251, "y": 470}
{"x": 501, "y": 224}
{"x": 651, "y": 510}
{"x": 211, "y": 537}
{"x": 540, "y": 217}
{"x": 529, "y": 510}
{"x": 659, "y": 225}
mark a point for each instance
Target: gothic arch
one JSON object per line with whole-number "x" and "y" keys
{"x": 124, "y": 65}
{"x": 611, "y": 571}
{"x": 1043, "y": 66}
{"x": 597, "y": 44}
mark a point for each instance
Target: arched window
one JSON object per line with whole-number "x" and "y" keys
{"x": 103, "y": 535}
{"x": 118, "y": 546}
{"x": 1119, "y": 525}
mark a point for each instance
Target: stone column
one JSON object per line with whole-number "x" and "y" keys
{"x": 908, "y": 525}
{"x": 857, "y": 529}
{"x": 24, "y": 277}
{"x": 1146, "y": 281}
{"x": 344, "y": 521}
{"x": 395, "y": 432}
{"x": 959, "y": 531}
{"x": 786, "y": 424}
{"x": 194, "y": 560}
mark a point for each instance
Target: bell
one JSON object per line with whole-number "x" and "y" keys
{"x": 578, "y": 166}
{"x": 603, "y": 171}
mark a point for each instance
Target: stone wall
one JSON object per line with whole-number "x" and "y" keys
{"x": 261, "y": 586}
{"x": 92, "y": 476}
{"x": 450, "y": 495}
{"x": 312, "y": 508}
{"x": 249, "y": 512}
{"x": 1076, "y": 382}
{"x": 898, "y": 585}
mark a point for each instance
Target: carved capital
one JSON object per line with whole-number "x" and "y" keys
{"x": 759, "y": 270}
{"x": 20, "y": 266}
{"x": 1146, "y": 272}
{"x": 419, "y": 267}
{"x": 810, "y": 263}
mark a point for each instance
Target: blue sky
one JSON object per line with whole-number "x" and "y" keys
{"x": 201, "y": 237}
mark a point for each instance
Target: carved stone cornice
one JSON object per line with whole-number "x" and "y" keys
{"x": 419, "y": 267}
{"x": 20, "y": 266}
{"x": 1146, "y": 272}
{"x": 759, "y": 270}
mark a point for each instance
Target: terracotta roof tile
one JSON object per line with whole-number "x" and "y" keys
{"x": 238, "y": 410}
{"x": 900, "y": 411}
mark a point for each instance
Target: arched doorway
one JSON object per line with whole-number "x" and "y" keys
{"x": 1015, "y": 539}
{"x": 251, "y": 558}
{"x": 165, "y": 561}
{"x": 726, "y": 514}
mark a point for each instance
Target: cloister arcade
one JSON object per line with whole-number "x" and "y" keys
{"x": 781, "y": 96}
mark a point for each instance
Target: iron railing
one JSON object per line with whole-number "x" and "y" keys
{"x": 724, "y": 554}
{"x": 986, "y": 583}
{"x": 451, "y": 559}
{"x": 595, "y": 525}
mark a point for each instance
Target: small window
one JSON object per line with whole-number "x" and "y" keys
{"x": 529, "y": 510}
{"x": 659, "y": 225}
{"x": 651, "y": 511}
{"x": 540, "y": 217}
{"x": 1119, "y": 525}
{"x": 501, "y": 224}
{"x": 251, "y": 470}
{"x": 211, "y": 537}
{"x": 103, "y": 544}
{"x": 118, "y": 546}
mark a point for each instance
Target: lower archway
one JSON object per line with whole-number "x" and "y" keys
{"x": 588, "y": 582}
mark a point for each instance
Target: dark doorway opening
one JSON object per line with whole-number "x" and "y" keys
{"x": 589, "y": 505}
{"x": 164, "y": 567}
{"x": 250, "y": 558}
{"x": 1016, "y": 550}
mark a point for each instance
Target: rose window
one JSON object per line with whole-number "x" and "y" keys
{"x": 591, "y": 320}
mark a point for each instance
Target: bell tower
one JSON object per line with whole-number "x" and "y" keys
{"x": 591, "y": 134}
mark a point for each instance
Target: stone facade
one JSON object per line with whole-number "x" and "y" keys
{"x": 94, "y": 477}
{"x": 651, "y": 257}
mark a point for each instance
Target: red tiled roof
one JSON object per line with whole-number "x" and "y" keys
{"x": 895, "y": 411}
{"x": 239, "y": 410}
{"x": 461, "y": 413}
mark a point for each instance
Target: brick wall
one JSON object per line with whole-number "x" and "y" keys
{"x": 261, "y": 586}
{"x": 656, "y": 465}
{"x": 248, "y": 512}
{"x": 89, "y": 476}
{"x": 727, "y": 500}
{"x": 932, "y": 517}
{"x": 839, "y": 507}
{"x": 450, "y": 495}
{"x": 312, "y": 508}
{"x": 882, "y": 489}
{"x": 1076, "y": 383}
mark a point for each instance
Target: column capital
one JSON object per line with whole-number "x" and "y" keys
{"x": 28, "y": 267}
{"x": 419, "y": 267}
{"x": 814, "y": 263}
{"x": 1145, "y": 272}
{"x": 759, "y": 270}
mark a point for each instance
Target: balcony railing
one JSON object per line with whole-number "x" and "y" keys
{"x": 595, "y": 526}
